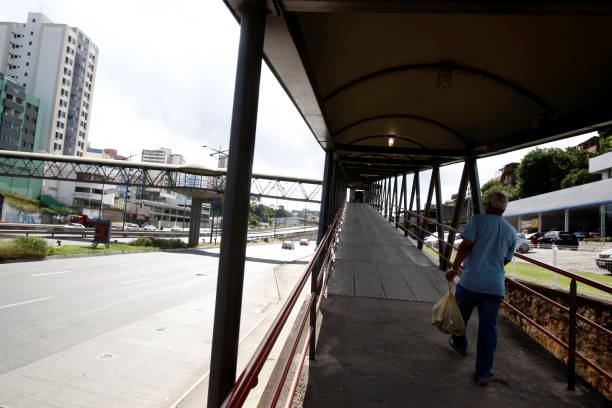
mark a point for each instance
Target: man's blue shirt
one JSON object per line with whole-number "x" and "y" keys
{"x": 494, "y": 241}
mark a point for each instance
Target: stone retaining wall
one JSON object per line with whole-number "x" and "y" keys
{"x": 596, "y": 346}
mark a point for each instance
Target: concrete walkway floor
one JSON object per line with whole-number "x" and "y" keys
{"x": 377, "y": 347}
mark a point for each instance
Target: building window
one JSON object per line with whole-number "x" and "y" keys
{"x": 31, "y": 32}
{"x": 30, "y": 43}
{"x": 33, "y": 20}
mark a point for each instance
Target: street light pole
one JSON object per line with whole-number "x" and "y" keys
{"x": 222, "y": 155}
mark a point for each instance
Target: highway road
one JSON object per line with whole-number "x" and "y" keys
{"x": 121, "y": 330}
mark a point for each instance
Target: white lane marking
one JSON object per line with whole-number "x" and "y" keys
{"x": 134, "y": 281}
{"x": 48, "y": 273}
{"x": 26, "y": 302}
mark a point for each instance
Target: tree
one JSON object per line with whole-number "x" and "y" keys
{"x": 577, "y": 177}
{"x": 495, "y": 184}
{"x": 605, "y": 141}
{"x": 542, "y": 171}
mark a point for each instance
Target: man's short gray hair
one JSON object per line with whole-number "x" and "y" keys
{"x": 497, "y": 199}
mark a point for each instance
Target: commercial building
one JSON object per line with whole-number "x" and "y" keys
{"x": 584, "y": 208}
{"x": 19, "y": 130}
{"x": 57, "y": 63}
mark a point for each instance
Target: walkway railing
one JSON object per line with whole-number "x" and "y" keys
{"x": 320, "y": 264}
{"x": 570, "y": 347}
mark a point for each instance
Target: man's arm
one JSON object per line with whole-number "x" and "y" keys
{"x": 462, "y": 252}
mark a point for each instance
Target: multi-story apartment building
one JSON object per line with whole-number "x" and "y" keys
{"x": 56, "y": 63}
{"x": 161, "y": 155}
{"x": 19, "y": 130}
{"x": 177, "y": 159}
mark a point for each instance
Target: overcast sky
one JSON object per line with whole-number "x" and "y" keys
{"x": 166, "y": 77}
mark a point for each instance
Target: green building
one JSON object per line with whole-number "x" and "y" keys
{"x": 19, "y": 130}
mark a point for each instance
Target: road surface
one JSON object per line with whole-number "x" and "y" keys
{"x": 120, "y": 330}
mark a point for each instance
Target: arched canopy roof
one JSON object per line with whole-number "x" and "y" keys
{"x": 444, "y": 79}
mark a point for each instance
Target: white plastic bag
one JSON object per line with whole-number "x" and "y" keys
{"x": 446, "y": 315}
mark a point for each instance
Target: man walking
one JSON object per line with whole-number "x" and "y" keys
{"x": 488, "y": 245}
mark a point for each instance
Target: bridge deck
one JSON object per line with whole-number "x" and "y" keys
{"x": 377, "y": 347}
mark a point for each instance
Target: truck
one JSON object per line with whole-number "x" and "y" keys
{"x": 83, "y": 219}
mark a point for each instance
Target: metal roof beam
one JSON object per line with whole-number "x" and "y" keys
{"x": 450, "y": 153}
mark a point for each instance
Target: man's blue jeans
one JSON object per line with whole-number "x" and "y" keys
{"x": 488, "y": 307}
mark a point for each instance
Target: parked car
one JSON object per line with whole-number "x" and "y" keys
{"x": 558, "y": 238}
{"x": 594, "y": 234}
{"x": 131, "y": 226}
{"x": 523, "y": 245}
{"x": 149, "y": 227}
{"x": 288, "y": 245}
{"x": 604, "y": 259}
{"x": 580, "y": 235}
{"x": 176, "y": 228}
{"x": 534, "y": 237}
{"x": 75, "y": 225}
{"x": 432, "y": 240}
{"x": 303, "y": 242}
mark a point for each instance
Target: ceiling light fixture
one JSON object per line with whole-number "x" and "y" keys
{"x": 391, "y": 140}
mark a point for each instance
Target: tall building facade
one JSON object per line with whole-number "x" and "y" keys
{"x": 19, "y": 130}
{"x": 161, "y": 155}
{"x": 57, "y": 63}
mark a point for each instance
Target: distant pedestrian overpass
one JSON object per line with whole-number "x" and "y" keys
{"x": 191, "y": 179}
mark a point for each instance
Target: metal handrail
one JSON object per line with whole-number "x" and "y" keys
{"x": 573, "y": 315}
{"x": 247, "y": 378}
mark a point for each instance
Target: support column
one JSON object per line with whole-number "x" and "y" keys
{"x": 325, "y": 195}
{"x": 539, "y": 222}
{"x": 405, "y": 192}
{"x": 441, "y": 246}
{"x": 194, "y": 221}
{"x": 458, "y": 210}
{"x": 602, "y": 220}
{"x": 474, "y": 185}
{"x": 566, "y": 219}
{"x": 417, "y": 191}
{"x": 230, "y": 278}
{"x": 518, "y": 224}
{"x": 401, "y": 197}
{"x": 385, "y": 199}
{"x": 428, "y": 202}
{"x": 389, "y": 202}
{"x": 394, "y": 200}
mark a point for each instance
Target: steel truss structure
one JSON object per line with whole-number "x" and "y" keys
{"x": 190, "y": 180}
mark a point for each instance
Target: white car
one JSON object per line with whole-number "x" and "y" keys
{"x": 288, "y": 245}
{"x": 149, "y": 228}
{"x": 176, "y": 228}
{"x": 604, "y": 259}
{"x": 75, "y": 225}
{"x": 433, "y": 242}
{"x": 303, "y": 242}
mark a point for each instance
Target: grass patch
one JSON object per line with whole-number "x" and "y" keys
{"x": 23, "y": 248}
{"x": 88, "y": 249}
{"x": 536, "y": 274}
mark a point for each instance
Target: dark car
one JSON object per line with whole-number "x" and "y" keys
{"x": 580, "y": 235}
{"x": 558, "y": 238}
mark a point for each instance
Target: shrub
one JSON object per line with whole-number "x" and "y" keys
{"x": 23, "y": 248}
{"x": 159, "y": 243}
{"x": 35, "y": 244}
{"x": 605, "y": 239}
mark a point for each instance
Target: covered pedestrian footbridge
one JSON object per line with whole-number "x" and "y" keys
{"x": 389, "y": 89}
